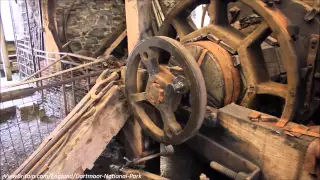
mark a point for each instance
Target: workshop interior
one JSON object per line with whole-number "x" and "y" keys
{"x": 160, "y": 89}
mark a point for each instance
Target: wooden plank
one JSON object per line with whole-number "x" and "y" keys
{"x": 115, "y": 43}
{"x": 49, "y": 42}
{"x": 83, "y": 143}
{"x": 91, "y": 137}
{"x": 110, "y": 40}
{"x": 278, "y": 155}
{"x": 4, "y": 53}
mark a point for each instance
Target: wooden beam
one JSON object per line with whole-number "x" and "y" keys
{"x": 139, "y": 20}
{"x": 139, "y": 25}
{"x": 279, "y": 156}
{"x": 116, "y": 43}
{"x": 4, "y": 53}
{"x": 49, "y": 41}
{"x": 110, "y": 40}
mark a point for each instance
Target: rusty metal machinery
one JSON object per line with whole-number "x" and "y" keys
{"x": 210, "y": 90}
{"x": 232, "y": 58}
{"x": 246, "y": 52}
{"x": 232, "y": 62}
{"x": 165, "y": 88}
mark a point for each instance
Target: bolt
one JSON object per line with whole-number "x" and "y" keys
{"x": 178, "y": 86}
{"x": 311, "y": 14}
{"x": 228, "y": 172}
{"x": 236, "y": 60}
{"x": 213, "y": 38}
{"x": 293, "y": 31}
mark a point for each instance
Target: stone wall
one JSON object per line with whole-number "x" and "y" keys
{"x": 86, "y": 23}
{"x": 28, "y": 33}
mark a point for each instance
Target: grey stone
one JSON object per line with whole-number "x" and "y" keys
{"x": 90, "y": 19}
{"x": 28, "y": 111}
{"x": 75, "y": 46}
{"x": 98, "y": 32}
{"x": 92, "y": 40}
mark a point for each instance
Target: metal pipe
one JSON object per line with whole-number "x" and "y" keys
{"x": 58, "y": 73}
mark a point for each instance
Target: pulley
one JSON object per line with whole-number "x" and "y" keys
{"x": 165, "y": 89}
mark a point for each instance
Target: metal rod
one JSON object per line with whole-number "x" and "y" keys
{"x": 41, "y": 70}
{"x": 23, "y": 92}
{"x": 56, "y": 74}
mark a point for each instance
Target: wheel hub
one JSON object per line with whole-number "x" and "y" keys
{"x": 154, "y": 93}
{"x": 221, "y": 77}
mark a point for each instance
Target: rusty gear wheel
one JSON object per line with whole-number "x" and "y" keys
{"x": 247, "y": 48}
{"x": 164, "y": 89}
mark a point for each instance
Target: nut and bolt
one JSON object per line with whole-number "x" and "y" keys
{"x": 179, "y": 84}
{"x": 178, "y": 87}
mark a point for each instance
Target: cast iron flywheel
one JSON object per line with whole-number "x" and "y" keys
{"x": 247, "y": 48}
{"x": 165, "y": 89}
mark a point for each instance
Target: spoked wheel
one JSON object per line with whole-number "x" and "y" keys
{"x": 164, "y": 89}
{"x": 247, "y": 48}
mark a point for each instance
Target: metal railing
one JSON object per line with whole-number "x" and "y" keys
{"x": 32, "y": 108}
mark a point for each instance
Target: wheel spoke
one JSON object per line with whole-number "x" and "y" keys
{"x": 182, "y": 27}
{"x": 251, "y": 55}
{"x": 272, "y": 88}
{"x": 150, "y": 59}
{"x": 224, "y": 35}
{"x": 138, "y": 97}
{"x": 257, "y": 36}
{"x": 171, "y": 125}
